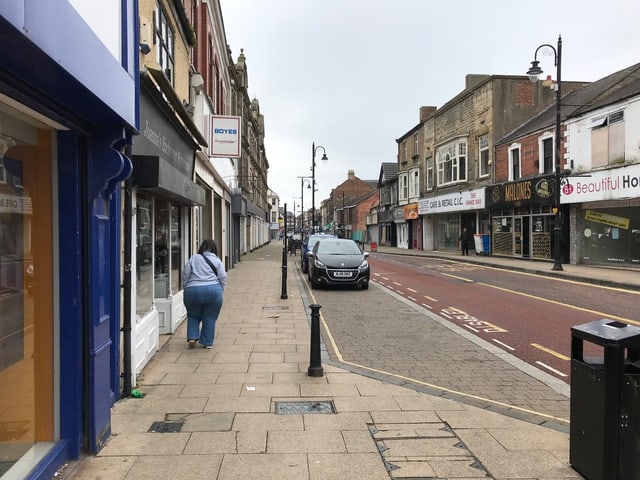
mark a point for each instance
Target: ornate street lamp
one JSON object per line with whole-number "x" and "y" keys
{"x": 534, "y": 74}
{"x": 324, "y": 158}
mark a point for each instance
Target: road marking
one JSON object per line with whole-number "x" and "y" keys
{"x": 470, "y": 328}
{"x": 396, "y": 283}
{"x": 430, "y": 298}
{"x": 427, "y": 306}
{"x": 412, "y": 299}
{"x": 508, "y": 347}
{"x": 466, "y": 280}
{"x": 551, "y": 369}
{"x": 466, "y": 319}
{"x": 550, "y": 352}
{"x": 412, "y": 290}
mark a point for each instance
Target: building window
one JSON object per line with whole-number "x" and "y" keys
{"x": 164, "y": 39}
{"x": 414, "y": 182}
{"x": 430, "y": 174}
{"x": 404, "y": 152}
{"x": 607, "y": 139}
{"x": 452, "y": 162}
{"x": 403, "y": 193}
{"x": 546, "y": 160}
{"x": 483, "y": 147}
{"x": 415, "y": 145}
{"x": 514, "y": 162}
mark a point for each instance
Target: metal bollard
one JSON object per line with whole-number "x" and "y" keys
{"x": 315, "y": 364}
{"x": 283, "y": 294}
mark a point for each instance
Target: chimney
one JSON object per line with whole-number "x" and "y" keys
{"x": 425, "y": 112}
{"x": 351, "y": 174}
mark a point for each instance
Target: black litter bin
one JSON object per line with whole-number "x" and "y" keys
{"x": 605, "y": 401}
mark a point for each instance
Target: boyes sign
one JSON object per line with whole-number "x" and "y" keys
{"x": 225, "y": 136}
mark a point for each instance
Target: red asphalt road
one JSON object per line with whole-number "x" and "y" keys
{"x": 526, "y": 315}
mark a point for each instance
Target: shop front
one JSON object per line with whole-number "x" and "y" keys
{"x": 606, "y": 216}
{"x": 522, "y": 218}
{"x": 444, "y": 216}
{"x": 67, "y": 114}
{"x": 402, "y": 227}
{"x": 163, "y": 194}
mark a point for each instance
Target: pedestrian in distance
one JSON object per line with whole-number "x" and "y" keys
{"x": 203, "y": 280}
{"x": 464, "y": 241}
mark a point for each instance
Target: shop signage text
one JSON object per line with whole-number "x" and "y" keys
{"x": 461, "y": 201}
{"x": 603, "y": 185}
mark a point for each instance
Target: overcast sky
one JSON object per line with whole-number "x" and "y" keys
{"x": 351, "y": 75}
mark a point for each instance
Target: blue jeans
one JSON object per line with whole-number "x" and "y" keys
{"x": 203, "y": 305}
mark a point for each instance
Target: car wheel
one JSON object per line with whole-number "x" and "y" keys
{"x": 314, "y": 284}
{"x": 365, "y": 286}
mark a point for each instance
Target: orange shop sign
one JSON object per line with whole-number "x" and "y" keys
{"x": 411, "y": 211}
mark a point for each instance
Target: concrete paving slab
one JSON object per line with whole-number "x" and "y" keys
{"x": 171, "y": 467}
{"x": 345, "y": 421}
{"x": 265, "y": 467}
{"x": 359, "y": 441}
{"x": 211, "y": 390}
{"x": 354, "y": 466}
{"x": 251, "y": 442}
{"x": 203, "y": 422}
{"x": 236, "y": 404}
{"x": 267, "y": 421}
{"x": 114, "y": 468}
{"x": 320, "y": 441}
{"x": 207, "y": 443}
{"x": 367, "y": 404}
{"x": 154, "y": 444}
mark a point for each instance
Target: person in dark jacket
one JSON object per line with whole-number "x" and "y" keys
{"x": 465, "y": 241}
{"x": 203, "y": 280}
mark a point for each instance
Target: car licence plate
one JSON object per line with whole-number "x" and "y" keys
{"x": 343, "y": 274}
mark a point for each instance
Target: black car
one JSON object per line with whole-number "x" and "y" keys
{"x": 338, "y": 261}
{"x": 308, "y": 245}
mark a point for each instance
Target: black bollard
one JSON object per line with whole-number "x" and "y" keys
{"x": 283, "y": 294}
{"x": 315, "y": 364}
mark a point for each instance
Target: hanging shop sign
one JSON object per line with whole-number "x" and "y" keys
{"x": 225, "y": 136}
{"x": 410, "y": 212}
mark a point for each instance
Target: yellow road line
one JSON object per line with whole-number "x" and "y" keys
{"x": 550, "y": 352}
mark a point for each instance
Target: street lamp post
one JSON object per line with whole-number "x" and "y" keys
{"x": 534, "y": 73}
{"x": 302, "y": 180}
{"x": 324, "y": 158}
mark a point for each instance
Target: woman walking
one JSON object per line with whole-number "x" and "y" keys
{"x": 203, "y": 280}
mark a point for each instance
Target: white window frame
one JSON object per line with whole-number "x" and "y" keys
{"x": 430, "y": 175}
{"x": 483, "y": 147}
{"x": 416, "y": 150}
{"x": 403, "y": 186}
{"x": 455, "y": 154}
{"x": 544, "y": 137}
{"x": 513, "y": 148}
{"x": 614, "y": 123}
{"x": 414, "y": 182}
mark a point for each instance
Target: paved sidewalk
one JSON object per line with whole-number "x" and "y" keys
{"x": 248, "y": 409}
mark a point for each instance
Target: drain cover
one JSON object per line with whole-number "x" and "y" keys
{"x": 290, "y": 408}
{"x": 165, "y": 427}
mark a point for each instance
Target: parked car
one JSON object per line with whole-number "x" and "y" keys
{"x": 338, "y": 261}
{"x": 307, "y": 246}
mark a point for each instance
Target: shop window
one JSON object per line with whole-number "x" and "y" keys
{"x": 144, "y": 254}
{"x": 176, "y": 248}
{"x": 161, "y": 226}
{"x": 26, "y": 287}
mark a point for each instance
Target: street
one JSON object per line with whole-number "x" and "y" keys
{"x": 514, "y": 349}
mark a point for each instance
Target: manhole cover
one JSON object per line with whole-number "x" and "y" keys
{"x": 291, "y": 408}
{"x": 165, "y": 427}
